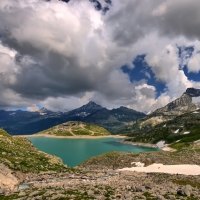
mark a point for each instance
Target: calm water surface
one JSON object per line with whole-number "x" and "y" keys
{"x": 75, "y": 151}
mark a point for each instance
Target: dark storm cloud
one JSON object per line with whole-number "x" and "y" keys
{"x": 135, "y": 19}
{"x": 181, "y": 18}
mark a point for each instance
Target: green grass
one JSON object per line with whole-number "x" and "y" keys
{"x": 9, "y": 197}
{"x": 189, "y": 122}
{"x": 76, "y": 128}
{"x": 184, "y": 182}
{"x": 19, "y": 154}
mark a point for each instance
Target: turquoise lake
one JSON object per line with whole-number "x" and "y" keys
{"x": 75, "y": 151}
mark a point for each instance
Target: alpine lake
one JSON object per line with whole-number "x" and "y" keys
{"x": 75, "y": 151}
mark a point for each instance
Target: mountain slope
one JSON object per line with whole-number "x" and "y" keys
{"x": 114, "y": 119}
{"x": 76, "y": 129}
{"x": 19, "y": 154}
{"x": 85, "y": 110}
{"x": 177, "y": 121}
{"x": 25, "y": 122}
{"x": 180, "y": 106}
{"x": 180, "y": 131}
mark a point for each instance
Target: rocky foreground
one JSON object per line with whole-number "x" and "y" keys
{"x": 104, "y": 181}
{"x": 108, "y": 184}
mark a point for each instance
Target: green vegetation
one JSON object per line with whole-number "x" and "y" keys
{"x": 149, "y": 196}
{"x": 45, "y": 194}
{"x": 76, "y": 128}
{"x": 18, "y": 154}
{"x": 179, "y": 132}
{"x": 9, "y": 197}
{"x": 186, "y": 181}
{"x": 118, "y": 160}
{"x": 109, "y": 193}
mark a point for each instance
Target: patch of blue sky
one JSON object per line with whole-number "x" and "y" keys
{"x": 185, "y": 53}
{"x": 142, "y": 71}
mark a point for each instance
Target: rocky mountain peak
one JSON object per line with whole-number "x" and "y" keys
{"x": 92, "y": 105}
{"x": 193, "y": 92}
{"x": 180, "y": 105}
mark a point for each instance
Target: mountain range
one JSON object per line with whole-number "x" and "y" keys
{"x": 26, "y": 122}
{"x": 118, "y": 120}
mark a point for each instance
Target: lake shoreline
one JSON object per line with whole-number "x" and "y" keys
{"x": 139, "y": 144}
{"x": 122, "y": 137}
{"x": 73, "y": 137}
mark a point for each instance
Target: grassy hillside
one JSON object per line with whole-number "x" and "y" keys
{"x": 76, "y": 129}
{"x": 180, "y": 131}
{"x": 118, "y": 160}
{"x": 18, "y": 154}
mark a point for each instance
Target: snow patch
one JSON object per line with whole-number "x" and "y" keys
{"x": 167, "y": 169}
{"x": 176, "y": 131}
{"x": 161, "y": 144}
{"x": 138, "y": 164}
{"x": 186, "y": 133}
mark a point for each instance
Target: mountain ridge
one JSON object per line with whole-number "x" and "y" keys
{"x": 26, "y": 122}
{"x": 180, "y": 106}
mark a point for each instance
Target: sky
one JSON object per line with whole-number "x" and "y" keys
{"x": 60, "y": 54}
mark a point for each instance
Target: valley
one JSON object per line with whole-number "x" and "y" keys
{"x": 27, "y": 173}
{"x": 99, "y": 100}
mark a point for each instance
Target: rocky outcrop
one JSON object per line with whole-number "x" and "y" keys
{"x": 178, "y": 106}
{"x": 193, "y": 92}
{"x": 181, "y": 105}
{"x": 8, "y": 181}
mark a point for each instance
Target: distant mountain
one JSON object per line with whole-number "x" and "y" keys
{"x": 84, "y": 111}
{"x": 179, "y": 106}
{"x": 178, "y": 120}
{"x": 76, "y": 129}
{"x": 114, "y": 119}
{"x": 180, "y": 131}
{"x": 25, "y": 122}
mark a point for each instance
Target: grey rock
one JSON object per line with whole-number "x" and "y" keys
{"x": 185, "y": 191}
{"x": 34, "y": 193}
{"x": 58, "y": 196}
{"x": 21, "y": 194}
{"x": 90, "y": 192}
{"x": 140, "y": 189}
{"x": 180, "y": 192}
{"x": 159, "y": 197}
{"x": 128, "y": 187}
{"x": 178, "y": 106}
{"x": 171, "y": 197}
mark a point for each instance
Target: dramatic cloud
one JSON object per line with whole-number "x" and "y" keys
{"x": 61, "y": 55}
